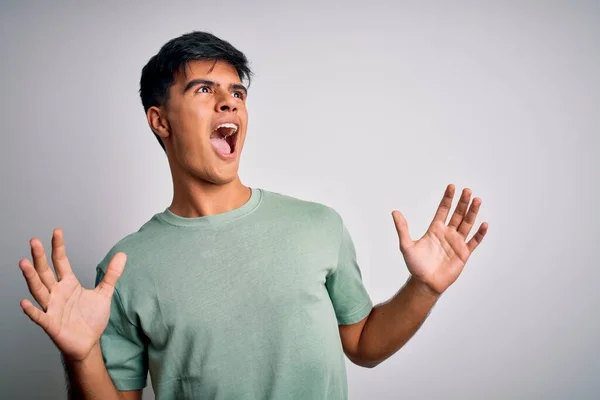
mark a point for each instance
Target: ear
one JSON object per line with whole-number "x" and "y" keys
{"x": 158, "y": 122}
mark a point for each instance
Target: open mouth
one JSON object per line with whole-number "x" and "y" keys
{"x": 224, "y": 138}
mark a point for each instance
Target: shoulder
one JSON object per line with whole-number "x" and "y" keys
{"x": 137, "y": 280}
{"x": 298, "y": 208}
{"x": 138, "y": 246}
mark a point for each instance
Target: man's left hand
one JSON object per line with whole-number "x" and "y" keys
{"x": 438, "y": 258}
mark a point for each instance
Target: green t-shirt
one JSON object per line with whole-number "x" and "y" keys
{"x": 239, "y": 305}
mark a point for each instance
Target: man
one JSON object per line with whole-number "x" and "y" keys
{"x": 232, "y": 292}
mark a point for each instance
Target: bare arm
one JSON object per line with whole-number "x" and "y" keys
{"x": 88, "y": 379}
{"x": 389, "y": 325}
{"x": 435, "y": 261}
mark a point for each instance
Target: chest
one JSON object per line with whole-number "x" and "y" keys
{"x": 262, "y": 280}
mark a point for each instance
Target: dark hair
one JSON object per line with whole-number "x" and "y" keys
{"x": 159, "y": 73}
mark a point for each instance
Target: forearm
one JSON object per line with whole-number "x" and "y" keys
{"x": 89, "y": 380}
{"x": 391, "y": 324}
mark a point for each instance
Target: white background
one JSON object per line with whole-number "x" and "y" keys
{"x": 365, "y": 107}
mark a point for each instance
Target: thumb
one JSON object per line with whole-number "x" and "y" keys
{"x": 402, "y": 229}
{"x": 113, "y": 273}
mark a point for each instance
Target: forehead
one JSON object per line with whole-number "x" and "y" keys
{"x": 218, "y": 71}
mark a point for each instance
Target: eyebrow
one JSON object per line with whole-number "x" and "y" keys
{"x": 196, "y": 82}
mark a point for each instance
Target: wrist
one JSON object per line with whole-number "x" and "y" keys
{"x": 83, "y": 363}
{"x": 422, "y": 287}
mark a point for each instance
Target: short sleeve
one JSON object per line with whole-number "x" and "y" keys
{"x": 350, "y": 299}
{"x": 123, "y": 347}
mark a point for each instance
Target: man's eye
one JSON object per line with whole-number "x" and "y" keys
{"x": 203, "y": 89}
{"x": 238, "y": 94}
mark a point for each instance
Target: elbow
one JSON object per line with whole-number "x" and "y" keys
{"x": 370, "y": 364}
{"x": 364, "y": 362}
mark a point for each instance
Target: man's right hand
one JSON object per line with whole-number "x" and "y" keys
{"x": 73, "y": 317}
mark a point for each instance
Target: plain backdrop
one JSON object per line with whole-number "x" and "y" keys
{"x": 364, "y": 106}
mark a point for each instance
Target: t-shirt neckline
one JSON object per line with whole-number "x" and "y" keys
{"x": 216, "y": 219}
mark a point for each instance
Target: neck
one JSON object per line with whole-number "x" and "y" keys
{"x": 196, "y": 198}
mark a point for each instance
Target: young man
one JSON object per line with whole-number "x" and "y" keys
{"x": 231, "y": 292}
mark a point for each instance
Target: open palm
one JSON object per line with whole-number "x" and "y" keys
{"x": 72, "y": 316}
{"x": 438, "y": 258}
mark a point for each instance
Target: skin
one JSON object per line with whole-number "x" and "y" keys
{"x": 205, "y": 184}
{"x": 435, "y": 262}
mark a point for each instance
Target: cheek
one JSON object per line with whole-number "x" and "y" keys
{"x": 192, "y": 125}
{"x": 243, "y": 115}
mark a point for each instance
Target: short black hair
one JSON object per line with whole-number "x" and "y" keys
{"x": 158, "y": 75}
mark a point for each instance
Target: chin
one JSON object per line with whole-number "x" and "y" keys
{"x": 220, "y": 181}
{"x": 220, "y": 177}
{"x": 213, "y": 172}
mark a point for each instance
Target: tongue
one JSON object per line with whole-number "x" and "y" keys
{"x": 221, "y": 145}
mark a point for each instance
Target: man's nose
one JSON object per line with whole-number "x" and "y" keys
{"x": 226, "y": 103}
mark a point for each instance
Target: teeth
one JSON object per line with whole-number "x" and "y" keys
{"x": 228, "y": 125}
